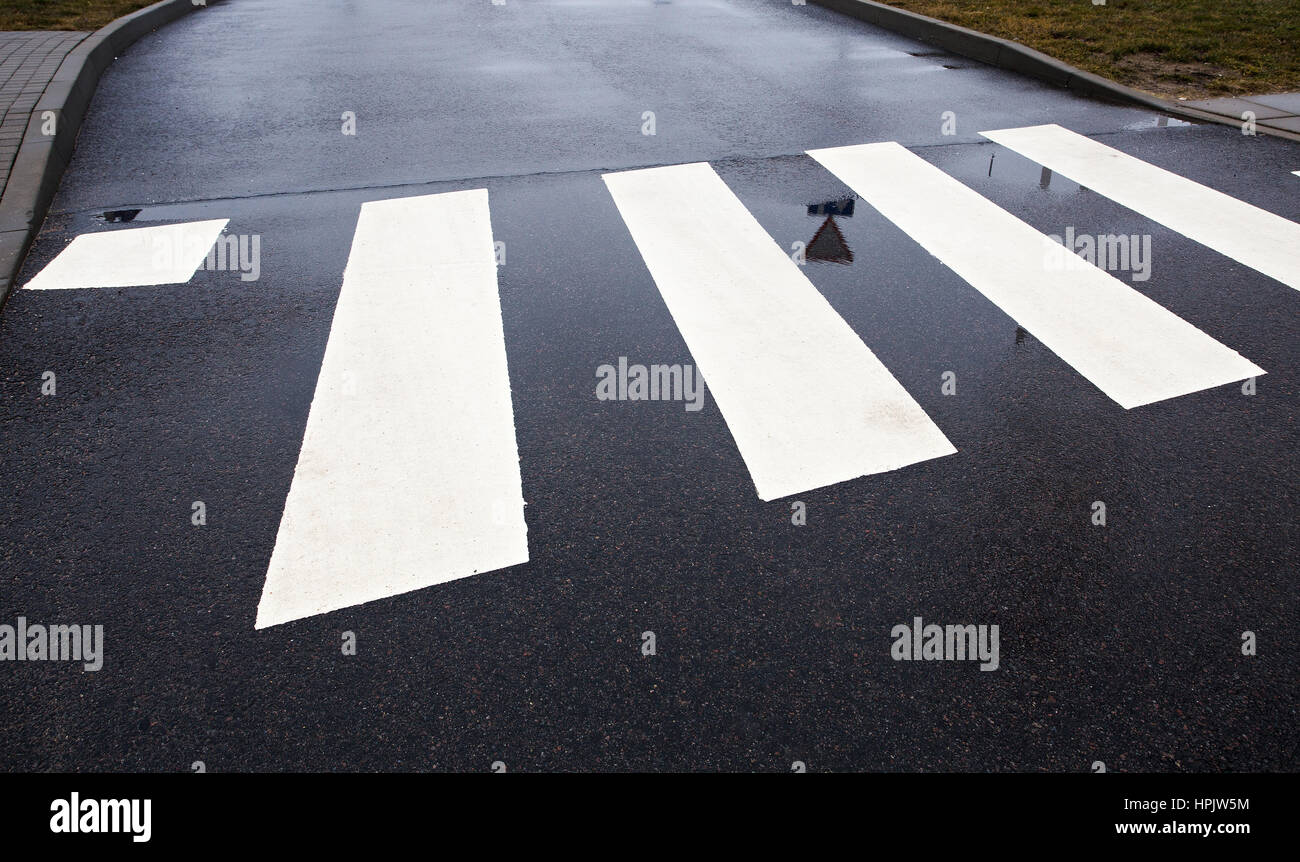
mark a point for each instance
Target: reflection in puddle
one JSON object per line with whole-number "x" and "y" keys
{"x": 1020, "y": 167}
{"x": 114, "y": 216}
{"x": 1159, "y": 122}
{"x": 828, "y": 243}
{"x": 842, "y": 207}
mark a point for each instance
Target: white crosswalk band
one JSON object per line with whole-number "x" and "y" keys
{"x": 1249, "y": 235}
{"x": 807, "y": 402}
{"x": 1129, "y": 347}
{"x": 409, "y": 470}
{"x": 135, "y": 257}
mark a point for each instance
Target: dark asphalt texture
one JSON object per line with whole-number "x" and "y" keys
{"x": 1118, "y": 643}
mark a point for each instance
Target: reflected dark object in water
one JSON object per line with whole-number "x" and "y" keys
{"x": 1160, "y": 121}
{"x": 112, "y": 216}
{"x": 828, "y": 244}
{"x": 841, "y": 207}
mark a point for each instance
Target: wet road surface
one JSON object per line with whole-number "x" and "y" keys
{"x": 1119, "y": 643}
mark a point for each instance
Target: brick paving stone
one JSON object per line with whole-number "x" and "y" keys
{"x": 28, "y": 60}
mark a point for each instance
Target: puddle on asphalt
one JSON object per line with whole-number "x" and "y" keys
{"x": 1006, "y": 168}
{"x": 118, "y": 216}
{"x": 168, "y": 213}
{"x": 188, "y": 211}
{"x": 952, "y": 60}
{"x": 828, "y": 244}
{"x": 916, "y": 316}
{"x": 1159, "y": 121}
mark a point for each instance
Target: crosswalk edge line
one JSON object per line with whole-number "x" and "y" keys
{"x": 1131, "y": 348}
{"x": 408, "y": 474}
{"x": 1250, "y": 235}
{"x": 762, "y": 335}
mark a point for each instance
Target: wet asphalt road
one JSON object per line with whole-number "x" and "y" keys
{"x": 1118, "y": 643}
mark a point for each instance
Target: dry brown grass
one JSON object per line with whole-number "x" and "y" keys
{"x": 64, "y": 14}
{"x": 1191, "y": 48}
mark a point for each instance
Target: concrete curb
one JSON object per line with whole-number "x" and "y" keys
{"x": 41, "y": 159}
{"x": 1015, "y": 57}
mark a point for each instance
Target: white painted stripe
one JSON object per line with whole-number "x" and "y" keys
{"x": 136, "y": 257}
{"x": 1297, "y": 173}
{"x": 1247, "y": 234}
{"x": 807, "y": 402}
{"x": 409, "y": 471}
{"x": 1129, "y": 347}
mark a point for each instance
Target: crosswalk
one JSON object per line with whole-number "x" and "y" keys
{"x": 1247, "y": 234}
{"x": 760, "y": 334}
{"x": 409, "y": 472}
{"x": 136, "y": 257}
{"x": 1126, "y": 345}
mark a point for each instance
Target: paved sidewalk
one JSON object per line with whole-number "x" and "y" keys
{"x": 28, "y": 60}
{"x": 1280, "y": 111}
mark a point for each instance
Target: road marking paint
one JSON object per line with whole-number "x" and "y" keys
{"x": 1247, "y": 234}
{"x": 409, "y": 470}
{"x": 807, "y": 402}
{"x": 135, "y": 257}
{"x": 1128, "y": 346}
